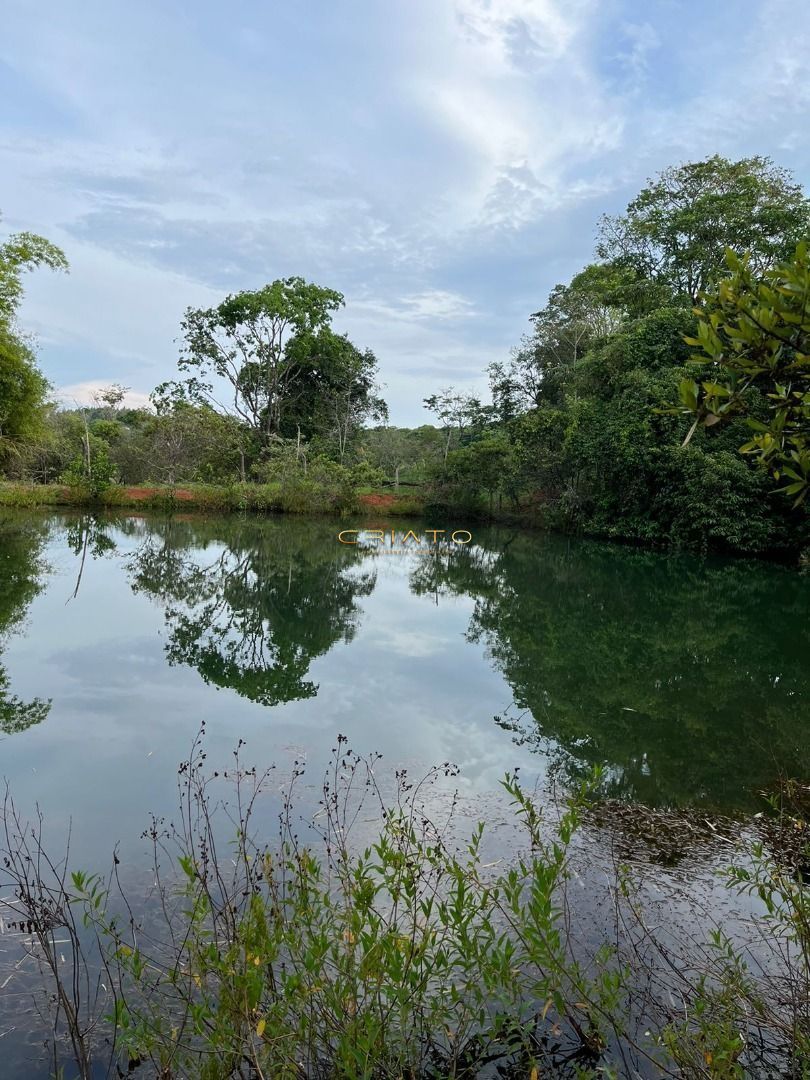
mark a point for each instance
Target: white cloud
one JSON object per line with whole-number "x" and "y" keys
{"x": 443, "y": 164}
{"x": 84, "y": 393}
{"x": 641, "y": 41}
{"x": 434, "y": 304}
{"x": 515, "y": 90}
{"x": 498, "y": 26}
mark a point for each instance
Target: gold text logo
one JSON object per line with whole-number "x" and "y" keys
{"x": 381, "y": 536}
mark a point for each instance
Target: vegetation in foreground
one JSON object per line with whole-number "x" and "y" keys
{"x": 410, "y": 955}
{"x": 661, "y": 395}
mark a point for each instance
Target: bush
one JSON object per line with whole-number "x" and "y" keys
{"x": 714, "y": 501}
{"x": 92, "y": 478}
{"x": 312, "y": 484}
{"x": 406, "y": 956}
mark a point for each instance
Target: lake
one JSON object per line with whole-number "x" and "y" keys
{"x": 685, "y": 679}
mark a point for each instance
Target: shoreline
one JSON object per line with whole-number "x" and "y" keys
{"x": 270, "y": 499}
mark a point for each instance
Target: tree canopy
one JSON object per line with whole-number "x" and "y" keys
{"x": 675, "y": 232}
{"x": 272, "y": 351}
{"x": 23, "y": 388}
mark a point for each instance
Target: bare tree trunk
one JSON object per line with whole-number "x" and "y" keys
{"x": 396, "y": 478}
{"x": 87, "y": 445}
{"x": 81, "y": 565}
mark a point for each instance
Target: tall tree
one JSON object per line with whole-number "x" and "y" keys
{"x": 575, "y": 317}
{"x": 457, "y": 412}
{"x": 393, "y": 449}
{"x": 675, "y": 233}
{"x": 336, "y": 390}
{"x": 242, "y": 345}
{"x": 23, "y": 388}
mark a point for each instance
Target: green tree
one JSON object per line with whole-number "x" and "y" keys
{"x": 754, "y": 335}
{"x": 392, "y": 449}
{"x": 459, "y": 415}
{"x": 335, "y": 391}
{"x": 575, "y": 317}
{"x": 186, "y": 442}
{"x": 674, "y": 234}
{"x": 242, "y": 345}
{"x": 484, "y": 466}
{"x": 580, "y": 398}
{"x": 23, "y": 388}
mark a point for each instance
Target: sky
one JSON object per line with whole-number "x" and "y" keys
{"x": 442, "y": 163}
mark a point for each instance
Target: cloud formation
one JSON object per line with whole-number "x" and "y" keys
{"x": 441, "y": 162}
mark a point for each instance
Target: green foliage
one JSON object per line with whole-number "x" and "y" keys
{"x": 187, "y": 444}
{"x": 91, "y": 471}
{"x": 575, "y": 436}
{"x": 404, "y": 454}
{"x": 22, "y": 386}
{"x": 754, "y": 333}
{"x": 409, "y": 953}
{"x": 287, "y": 370}
{"x": 486, "y": 466}
{"x": 335, "y": 391}
{"x": 461, "y": 416}
{"x": 22, "y": 394}
{"x": 312, "y": 483}
{"x": 580, "y": 399}
{"x": 402, "y": 956}
{"x": 713, "y": 501}
{"x": 675, "y": 233}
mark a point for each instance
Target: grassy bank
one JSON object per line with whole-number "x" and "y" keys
{"x": 266, "y": 498}
{"x": 258, "y": 498}
{"x": 309, "y": 497}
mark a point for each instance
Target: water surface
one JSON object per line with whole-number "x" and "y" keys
{"x": 686, "y": 679}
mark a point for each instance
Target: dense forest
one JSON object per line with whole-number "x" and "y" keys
{"x": 660, "y": 396}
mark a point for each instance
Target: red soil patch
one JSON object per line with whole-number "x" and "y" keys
{"x": 379, "y": 501}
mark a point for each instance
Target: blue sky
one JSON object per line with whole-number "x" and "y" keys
{"x": 443, "y": 163}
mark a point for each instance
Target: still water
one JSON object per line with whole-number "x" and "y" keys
{"x": 687, "y": 679}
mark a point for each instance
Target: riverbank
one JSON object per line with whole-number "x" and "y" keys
{"x": 534, "y": 512}
{"x": 215, "y": 498}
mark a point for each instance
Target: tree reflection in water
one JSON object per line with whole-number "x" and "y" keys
{"x": 686, "y": 679}
{"x": 21, "y": 569}
{"x": 251, "y": 604}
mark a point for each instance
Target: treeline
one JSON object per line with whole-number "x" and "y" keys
{"x": 661, "y": 396}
